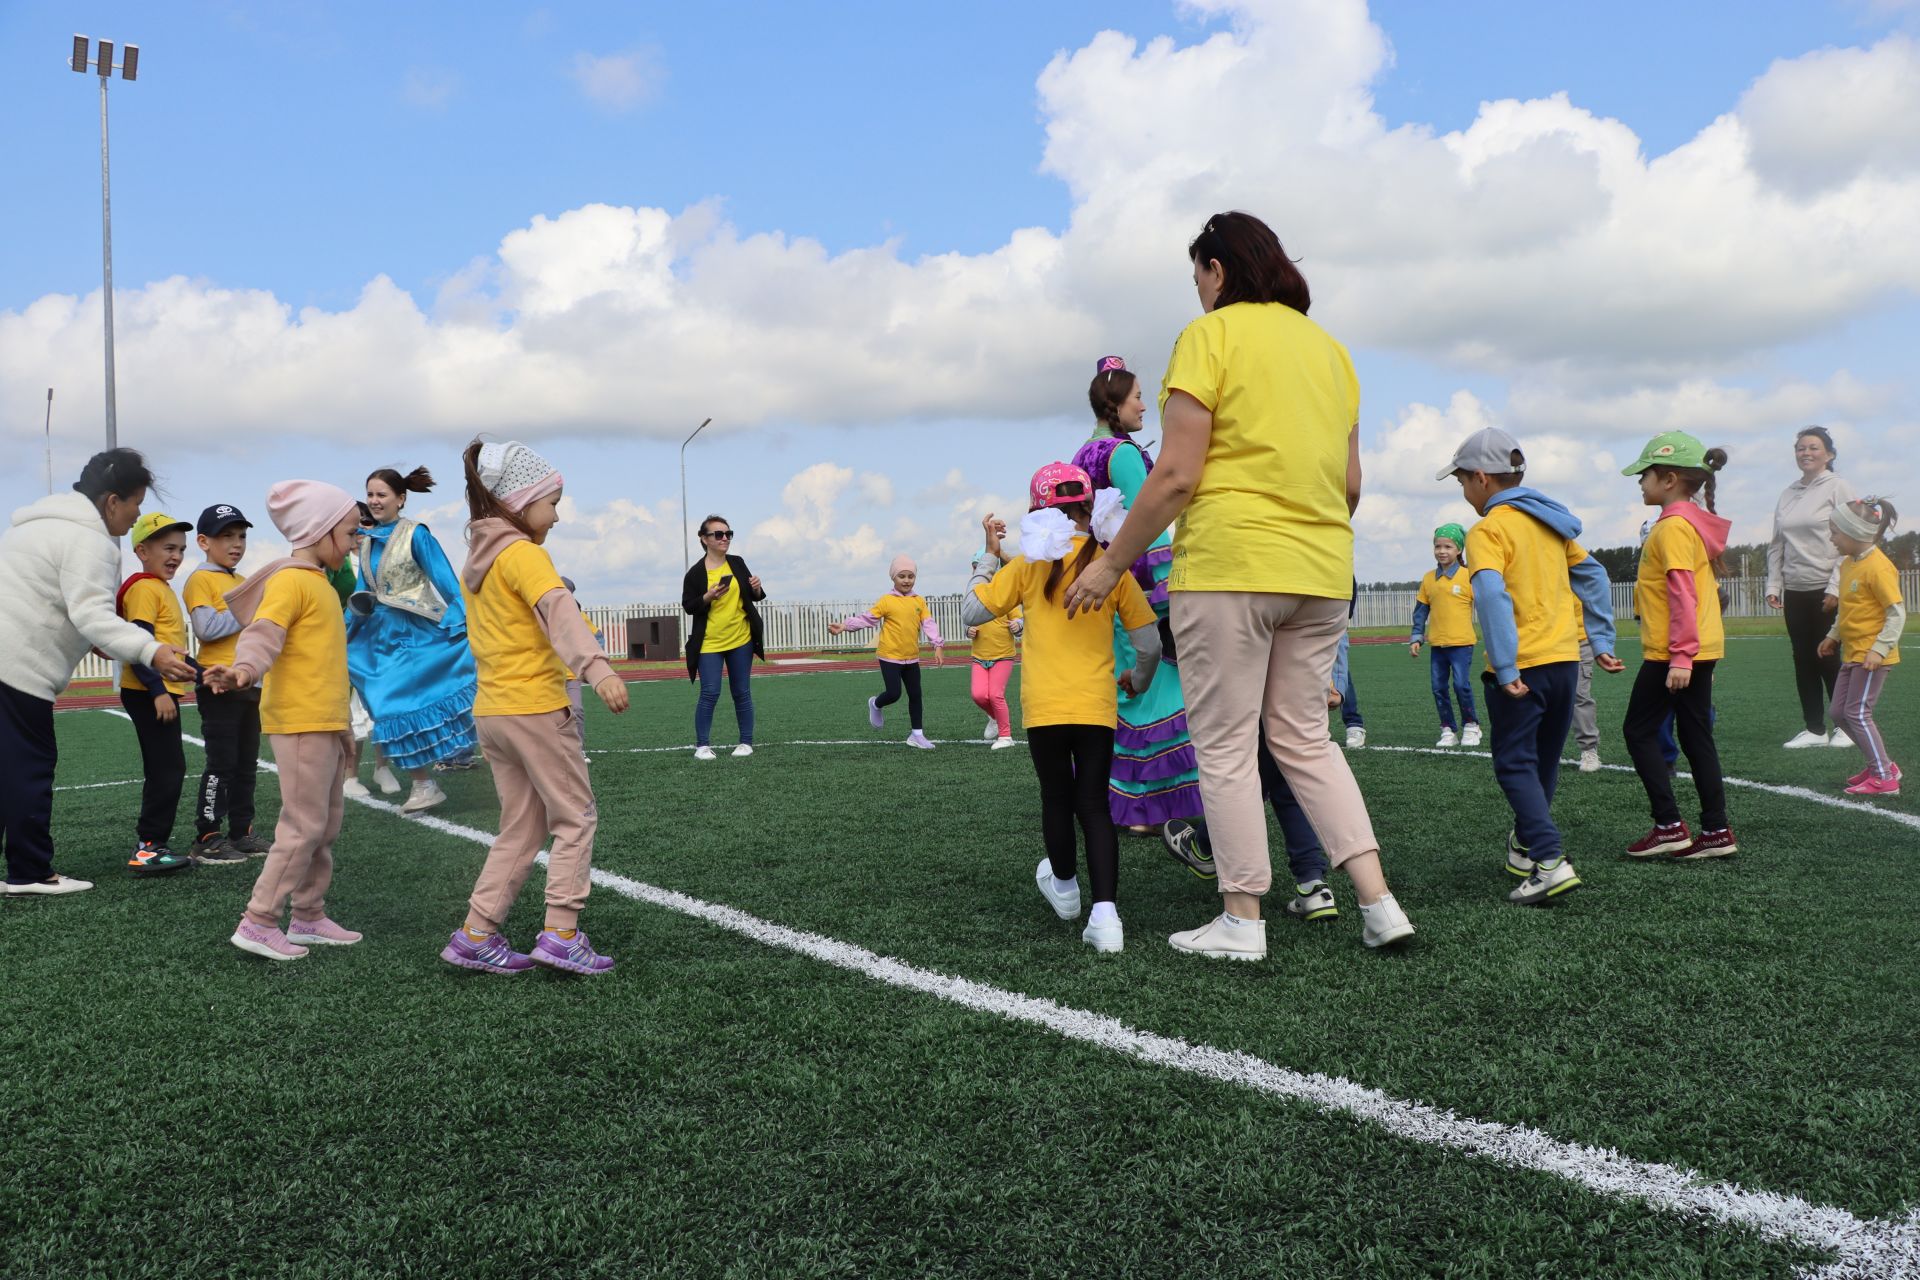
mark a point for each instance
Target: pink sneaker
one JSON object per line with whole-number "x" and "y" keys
{"x": 1859, "y": 777}
{"x": 322, "y": 932}
{"x": 1872, "y": 786}
{"x": 270, "y": 943}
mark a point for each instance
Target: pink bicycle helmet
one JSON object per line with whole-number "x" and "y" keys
{"x": 1059, "y": 484}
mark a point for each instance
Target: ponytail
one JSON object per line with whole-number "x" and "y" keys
{"x": 1058, "y": 569}
{"x": 418, "y": 480}
{"x": 481, "y": 502}
{"x": 120, "y": 472}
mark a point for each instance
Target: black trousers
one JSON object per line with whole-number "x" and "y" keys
{"x": 1074, "y": 762}
{"x": 897, "y": 674}
{"x": 230, "y": 722}
{"x": 1692, "y": 711}
{"x": 26, "y": 785}
{"x": 1813, "y": 675}
{"x": 164, "y": 762}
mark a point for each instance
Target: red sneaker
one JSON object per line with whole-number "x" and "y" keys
{"x": 1661, "y": 841}
{"x": 1872, "y": 786}
{"x": 1711, "y": 844}
{"x": 1858, "y": 778}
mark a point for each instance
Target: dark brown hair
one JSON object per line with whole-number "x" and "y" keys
{"x": 1821, "y": 434}
{"x": 1879, "y": 512}
{"x": 120, "y": 472}
{"x": 1059, "y": 568}
{"x": 1257, "y": 267}
{"x": 1699, "y": 482}
{"x": 1107, "y": 392}
{"x": 418, "y": 480}
{"x": 709, "y": 520}
{"x": 481, "y": 504}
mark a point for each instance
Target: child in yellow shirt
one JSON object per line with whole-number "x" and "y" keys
{"x": 1444, "y": 607}
{"x": 993, "y": 659}
{"x": 293, "y": 626}
{"x": 146, "y": 600}
{"x": 903, "y": 618}
{"x": 1866, "y": 634}
{"x": 230, "y": 722}
{"x": 528, "y": 633}
{"x": 1069, "y": 701}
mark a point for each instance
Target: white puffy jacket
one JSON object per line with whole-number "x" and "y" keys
{"x": 58, "y": 574}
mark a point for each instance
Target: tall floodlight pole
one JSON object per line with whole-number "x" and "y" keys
{"x": 49, "y": 442}
{"x": 686, "y": 549}
{"x": 129, "y": 69}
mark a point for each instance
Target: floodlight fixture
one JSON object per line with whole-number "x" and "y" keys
{"x": 130, "y": 62}
{"x": 103, "y": 65}
{"x": 79, "y": 62}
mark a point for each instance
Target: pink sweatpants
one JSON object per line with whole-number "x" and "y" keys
{"x": 300, "y": 864}
{"x": 1854, "y": 693}
{"x": 541, "y": 776}
{"x": 990, "y": 692}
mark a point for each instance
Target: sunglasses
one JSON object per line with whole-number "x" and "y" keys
{"x": 718, "y": 533}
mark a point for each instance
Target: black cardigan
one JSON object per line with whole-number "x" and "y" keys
{"x": 693, "y": 592}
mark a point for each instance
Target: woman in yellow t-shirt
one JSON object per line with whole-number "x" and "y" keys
{"x": 1260, "y": 462}
{"x": 1865, "y": 635}
{"x": 722, "y": 597}
{"x": 903, "y": 619}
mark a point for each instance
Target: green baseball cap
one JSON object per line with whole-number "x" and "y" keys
{"x": 156, "y": 522}
{"x": 1669, "y": 449}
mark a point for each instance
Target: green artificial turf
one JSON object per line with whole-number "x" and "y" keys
{"x": 719, "y": 1108}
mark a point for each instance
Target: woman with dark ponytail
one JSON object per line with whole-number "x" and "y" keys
{"x": 407, "y": 644}
{"x": 59, "y": 567}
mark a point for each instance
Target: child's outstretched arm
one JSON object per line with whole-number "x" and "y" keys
{"x": 1494, "y": 607}
{"x": 854, "y": 622}
{"x": 253, "y": 656}
{"x": 1588, "y": 577}
{"x": 575, "y": 643}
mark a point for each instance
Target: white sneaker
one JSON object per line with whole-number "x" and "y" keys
{"x": 354, "y": 789}
{"x": 742, "y": 751}
{"x": 1357, "y": 736}
{"x": 425, "y": 795}
{"x": 58, "y": 885}
{"x": 704, "y": 753}
{"x": 1590, "y": 760}
{"x": 383, "y": 778}
{"x": 1470, "y": 736}
{"x": 1108, "y": 937}
{"x": 1447, "y": 739}
{"x": 1839, "y": 739}
{"x": 875, "y": 716}
{"x": 1222, "y": 941}
{"x": 1384, "y": 923}
{"x": 1547, "y": 881}
{"x": 1001, "y": 744}
{"x": 993, "y": 731}
{"x": 1312, "y": 901}
{"x": 1806, "y": 738}
{"x": 919, "y": 739}
{"x": 1065, "y": 905}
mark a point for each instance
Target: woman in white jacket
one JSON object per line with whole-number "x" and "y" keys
{"x": 1803, "y": 577}
{"x": 59, "y": 568}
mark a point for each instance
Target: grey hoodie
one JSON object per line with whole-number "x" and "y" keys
{"x": 58, "y": 574}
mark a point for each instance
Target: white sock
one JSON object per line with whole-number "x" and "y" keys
{"x": 1235, "y": 922}
{"x": 1064, "y": 887}
{"x": 1104, "y": 913}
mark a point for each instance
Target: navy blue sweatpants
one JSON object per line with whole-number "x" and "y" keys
{"x": 1527, "y": 735}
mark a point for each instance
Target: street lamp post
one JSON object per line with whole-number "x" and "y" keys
{"x": 686, "y": 549}
{"x": 129, "y": 69}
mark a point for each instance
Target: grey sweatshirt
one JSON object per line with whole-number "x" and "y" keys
{"x": 1800, "y": 557}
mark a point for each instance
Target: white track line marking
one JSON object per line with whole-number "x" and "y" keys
{"x": 801, "y": 742}
{"x": 1885, "y": 1249}
{"x": 95, "y": 786}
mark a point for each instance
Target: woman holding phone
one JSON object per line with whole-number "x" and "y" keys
{"x": 720, "y": 593}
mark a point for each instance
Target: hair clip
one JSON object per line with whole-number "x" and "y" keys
{"x": 1109, "y": 363}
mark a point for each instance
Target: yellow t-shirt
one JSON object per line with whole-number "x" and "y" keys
{"x": 207, "y": 588}
{"x": 1533, "y": 560}
{"x": 1270, "y": 512}
{"x": 1675, "y": 544}
{"x": 726, "y": 617}
{"x": 901, "y": 618}
{"x": 1449, "y": 603}
{"x": 1067, "y": 669}
{"x": 1867, "y": 586}
{"x": 152, "y": 602}
{"x": 993, "y": 641}
{"x": 520, "y": 674}
{"x": 307, "y": 690}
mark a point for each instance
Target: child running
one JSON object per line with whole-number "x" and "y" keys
{"x": 527, "y": 634}
{"x": 1866, "y": 633}
{"x": 903, "y": 618}
{"x": 292, "y": 624}
{"x": 1444, "y": 607}
{"x": 1677, "y": 596}
{"x": 1069, "y": 702}
{"x": 993, "y": 659}
{"x": 1527, "y": 572}
{"x": 146, "y": 600}
{"x": 230, "y": 722}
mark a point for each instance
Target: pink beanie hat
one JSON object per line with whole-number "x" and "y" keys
{"x": 902, "y": 564}
{"x": 305, "y": 511}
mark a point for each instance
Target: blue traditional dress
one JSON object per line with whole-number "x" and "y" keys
{"x": 408, "y": 657}
{"x": 1155, "y": 776}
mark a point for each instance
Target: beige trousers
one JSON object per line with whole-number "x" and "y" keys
{"x": 1250, "y": 659}
{"x": 541, "y": 776}
{"x": 300, "y": 864}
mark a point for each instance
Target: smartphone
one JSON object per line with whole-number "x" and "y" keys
{"x": 726, "y": 580}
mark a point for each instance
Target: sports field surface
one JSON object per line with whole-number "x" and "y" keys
{"x": 847, "y": 1038}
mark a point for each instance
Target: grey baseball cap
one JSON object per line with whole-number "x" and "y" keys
{"x": 1490, "y": 450}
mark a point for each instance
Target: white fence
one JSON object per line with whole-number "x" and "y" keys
{"x": 802, "y": 626}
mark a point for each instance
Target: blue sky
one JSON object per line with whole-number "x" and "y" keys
{"x": 305, "y": 149}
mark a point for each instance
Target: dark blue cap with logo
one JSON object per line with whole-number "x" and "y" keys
{"x": 221, "y": 516}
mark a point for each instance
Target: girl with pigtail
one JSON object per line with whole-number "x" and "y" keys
{"x": 1866, "y": 635}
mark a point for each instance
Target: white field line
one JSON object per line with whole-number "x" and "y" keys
{"x": 95, "y": 786}
{"x": 1883, "y": 1249}
{"x": 802, "y": 742}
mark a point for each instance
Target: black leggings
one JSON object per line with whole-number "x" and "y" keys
{"x": 1692, "y": 710}
{"x": 897, "y": 674}
{"x": 1074, "y": 762}
{"x": 1807, "y": 625}
{"x": 164, "y": 762}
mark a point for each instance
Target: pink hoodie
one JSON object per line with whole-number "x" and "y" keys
{"x": 1683, "y": 602}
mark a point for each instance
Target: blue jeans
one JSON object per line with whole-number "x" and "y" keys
{"x": 739, "y": 665}
{"x": 1350, "y": 702}
{"x": 1306, "y": 859}
{"x": 1528, "y": 736}
{"x": 1452, "y": 662}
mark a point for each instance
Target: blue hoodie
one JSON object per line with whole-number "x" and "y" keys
{"x": 1494, "y": 607}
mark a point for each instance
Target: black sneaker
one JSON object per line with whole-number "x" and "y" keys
{"x": 251, "y": 845}
{"x": 151, "y": 859}
{"x": 212, "y": 850}
{"x": 1183, "y": 841}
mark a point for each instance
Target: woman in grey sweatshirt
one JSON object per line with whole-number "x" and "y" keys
{"x": 1803, "y": 575}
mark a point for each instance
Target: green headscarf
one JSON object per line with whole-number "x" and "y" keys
{"x": 1452, "y": 533}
